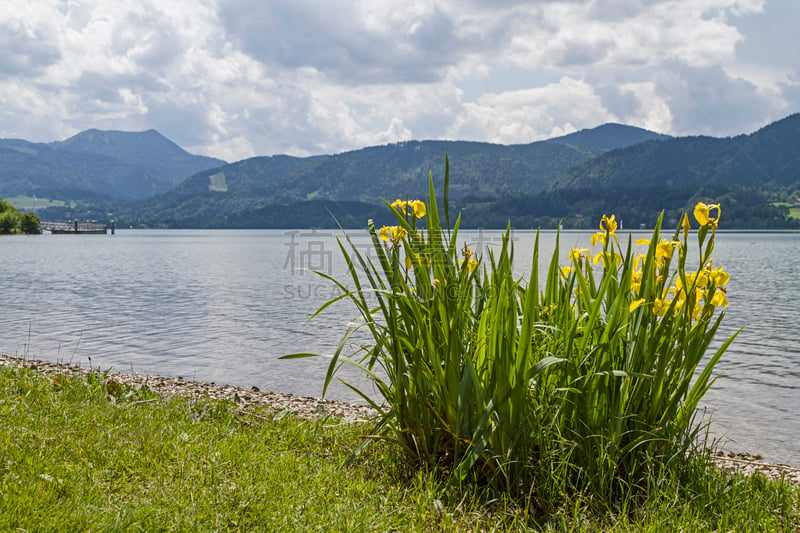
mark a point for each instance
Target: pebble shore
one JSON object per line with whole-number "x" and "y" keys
{"x": 245, "y": 399}
{"x": 307, "y": 407}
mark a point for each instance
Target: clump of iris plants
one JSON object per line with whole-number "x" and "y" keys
{"x": 587, "y": 379}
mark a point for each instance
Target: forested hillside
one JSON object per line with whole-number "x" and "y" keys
{"x": 768, "y": 158}
{"x": 238, "y": 190}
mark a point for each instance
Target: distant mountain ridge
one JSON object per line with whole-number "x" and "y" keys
{"x": 570, "y": 180}
{"x": 369, "y": 174}
{"x": 103, "y": 166}
{"x": 366, "y": 175}
{"x": 402, "y": 168}
{"x": 767, "y": 157}
{"x": 97, "y": 164}
{"x": 374, "y": 172}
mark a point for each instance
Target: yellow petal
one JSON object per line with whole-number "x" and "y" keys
{"x": 384, "y": 233}
{"x": 636, "y": 280}
{"x": 611, "y": 224}
{"x": 599, "y": 236}
{"x": 701, "y": 213}
{"x": 660, "y": 307}
{"x": 419, "y": 208}
{"x": 720, "y": 299}
{"x": 720, "y": 277}
{"x": 635, "y": 304}
{"x": 719, "y": 212}
{"x": 642, "y": 241}
{"x": 398, "y": 233}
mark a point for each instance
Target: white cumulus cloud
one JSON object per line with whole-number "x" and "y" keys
{"x": 237, "y": 78}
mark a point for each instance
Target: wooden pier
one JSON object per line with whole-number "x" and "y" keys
{"x": 75, "y": 228}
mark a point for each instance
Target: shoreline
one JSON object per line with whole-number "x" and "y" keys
{"x": 309, "y": 407}
{"x": 245, "y": 399}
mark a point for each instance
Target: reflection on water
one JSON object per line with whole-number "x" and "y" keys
{"x": 222, "y": 306}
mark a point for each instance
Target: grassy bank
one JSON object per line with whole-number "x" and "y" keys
{"x": 794, "y": 208}
{"x": 83, "y": 454}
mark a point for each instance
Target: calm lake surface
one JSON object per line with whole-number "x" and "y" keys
{"x": 222, "y": 306}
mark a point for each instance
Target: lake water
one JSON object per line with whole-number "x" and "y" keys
{"x": 222, "y": 306}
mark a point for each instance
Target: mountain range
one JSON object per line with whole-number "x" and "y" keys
{"x": 97, "y": 164}
{"x": 572, "y": 179}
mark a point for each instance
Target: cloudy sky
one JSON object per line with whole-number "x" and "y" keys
{"x": 237, "y": 78}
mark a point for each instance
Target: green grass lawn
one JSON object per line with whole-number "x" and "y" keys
{"x": 79, "y": 455}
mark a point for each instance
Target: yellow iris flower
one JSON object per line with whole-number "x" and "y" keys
{"x": 418, "y": 208}
{"x": 702, "y": 213}
{"x": 660, "y": 306}
{"x": 720, "y": 299}
{"x": 608, "y": 224}
{"x": 412, "y": 207}
{"x": 664, "y": 249}
{"x": 577, "y": 253}
{"x": 719, "y": 277}
{"x": 392, "y": 233}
